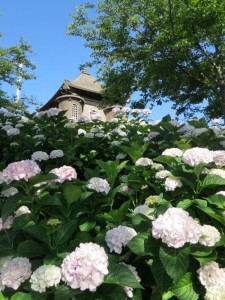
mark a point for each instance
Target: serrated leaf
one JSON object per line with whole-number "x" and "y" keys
{"x": 29, "y": 249}
{"x": 212, "y": 180}
{"x": 71, "y": 193}
{"x": 41, "y": 178}
{"x": 87, "y": 225}
{"x": 49, "y": 201}
{"x": 209, "y": 211}
{"x": 21, "y": 296}
{"x": 140, "y": 244}
{"x": 65, "y": 293}
{"x": 183, "y": 289}
{"x": 184, "y": 204}
{"x": 122, "y": 275}
{"x": 162, "y": 279}
{"x": 217, "y": 200}
{"x": 10, "y": 206}
{"x": 37, "y": 231}
{"x": 175, "y": 261}
{"x": 65, "y": 231}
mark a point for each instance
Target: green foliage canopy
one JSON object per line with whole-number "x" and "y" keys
{"x": 11, "y": 60}
{"x": 166, "y": 49}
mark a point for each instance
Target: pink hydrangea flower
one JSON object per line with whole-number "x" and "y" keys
{"x": 175, "y": 227}
{"x": 7, "y": 224}
{"x": 54, "y": 111}
{"x": 118, "y": 237}
{"x": 64, "y": 173}
{"x": 99, "y": 185}
{"x": 86, "y": 267}
{"x": 15, "y": 272}
{"x": 18, "y": 170}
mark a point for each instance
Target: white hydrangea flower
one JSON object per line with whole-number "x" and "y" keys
{"x": 144, "y": 161}
{"x": 157, "y": 167}
{"x": 120, "y": 156}
{"x": 54, "y": 111}
{"x": 115, "y": 143}
{"x": 118, "y": 237}
{"x": 7, "y": 127}
{"x": 172, "y": 183}
{"x": 175, "y": 227}
{"x": 15, "y": 272}
{"x": 216, "y": 292}
{"x": 162, "y": 174}
{"x": 81, "y": 131}
{"x": 89, "y": 135}
{"x": 173, "y": 152}
{"x": 211, "y": 275}
{"x": 221, "y": 193}
{"x": 145, "y": 210}
{"x": 22, "y": 210}
{"x": 199, "y": 131}
{"x": 13, "y": 131}
{"x": 45, "y": 276}
{"x": 195, "y": 156}
{"x": 9, "y": 192}
{"x": 39, "y": 156}
{"x": 99, "y": 185}
{"x": 86, "y": 267}
{"x": 219, "y": 158}
{"x": 100, "y": 134}
{"x": 210, "y": 236}
{"x": 152, "y": 135}
{"x": 218, "y": 172}
{"x": 56, "y": 154}
{"x": 7, "y": 224}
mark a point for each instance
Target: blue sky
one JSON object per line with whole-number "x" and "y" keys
{"x": 56, "y": 55}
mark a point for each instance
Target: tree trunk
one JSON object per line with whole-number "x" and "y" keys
{"x": 222, "y": 93}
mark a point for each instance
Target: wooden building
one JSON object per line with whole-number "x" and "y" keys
{"x": 80, "y": 97}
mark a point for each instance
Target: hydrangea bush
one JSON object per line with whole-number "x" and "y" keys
{"x": 124, "y": 209}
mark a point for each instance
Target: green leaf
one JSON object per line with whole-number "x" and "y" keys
{"x": 140, "y": 244}
{"x": 65, "y": 293}
{"x": 217, "y": 200}
{"x": 141, "y": 223}
{"x": 184, "y": 204}
{"x": 209, "y": 211}
{"x": 168, "y": 160}
{"x": 37, "y": 231}
{"x": 87, "y": 225}
{"x": 2, "y": 297}
{"x": 29, "y": 249}
{"x": 110, "y": 292}
{"x": 49, "y": 200}
{"x": 65, "y": 231}
{"x": 122, "y": 275}
{"x": 41, "y": 178}
{"x": 21, "y": 221}
{"x": 11, "y": 205}
{"x": 71, "y": 193}
{"x": 212, "y": 180}
{"x": 21, "y": 296}
{"x": 175, "y": 261}
{"x": 183, "y": 289}
{"x": 161, "y": 277}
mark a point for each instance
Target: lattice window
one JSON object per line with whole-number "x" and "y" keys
{"x": 74, "y": 111}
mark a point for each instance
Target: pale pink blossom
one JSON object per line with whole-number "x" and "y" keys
{"x": 86, "y": 267}
{"x": 145, "y": 210}
{"x": 24, "y": 169}
{"x": 7, "y": 224}
{"x": 15, "y": 272}
{"x": 22, "y": 210}
{"x": 175, "y": 227}
{"x": 64, "y": 173}
{"x": 118, "y": 237}
{"x": 195, "y": 156}
{"x": 211, "y": 275}
{"x": 219, "y": 158}
{"x": 146, "y": 111}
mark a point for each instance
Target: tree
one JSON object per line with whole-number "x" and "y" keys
{"x": 11, "y": 61}
{"x": 169, "y": 50}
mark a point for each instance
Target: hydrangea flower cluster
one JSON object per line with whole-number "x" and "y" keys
{"x": 144, "y": 161}
{"x": 99, "y": 185}
{"x": 7, "y": 224}
{"x": 15, "y": 272}
{"x": 56, "y": 154}
{"x": 86, "y": 267}
{"x": 175, "y": 227}
{"x": 213, "y": 279}
{"x": 39, "y": 156}
{"x": 209, "y": 236}
{"x": 13, "y": 131}
{"x": 22, "y": 210}
{"x": 118, "y": 237}
{"x": 64, "y": 173}
{"x": 145, "y": 210}
{"x": 24, "y": 169}
{"x": 9, "y": 192}
{"x": 195, "y": 156}
{"x": 45, "y": 276}
{"x": 172, "y": 183}
{"x": 54, "y": 111}
{"x": 173, "y": 152}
